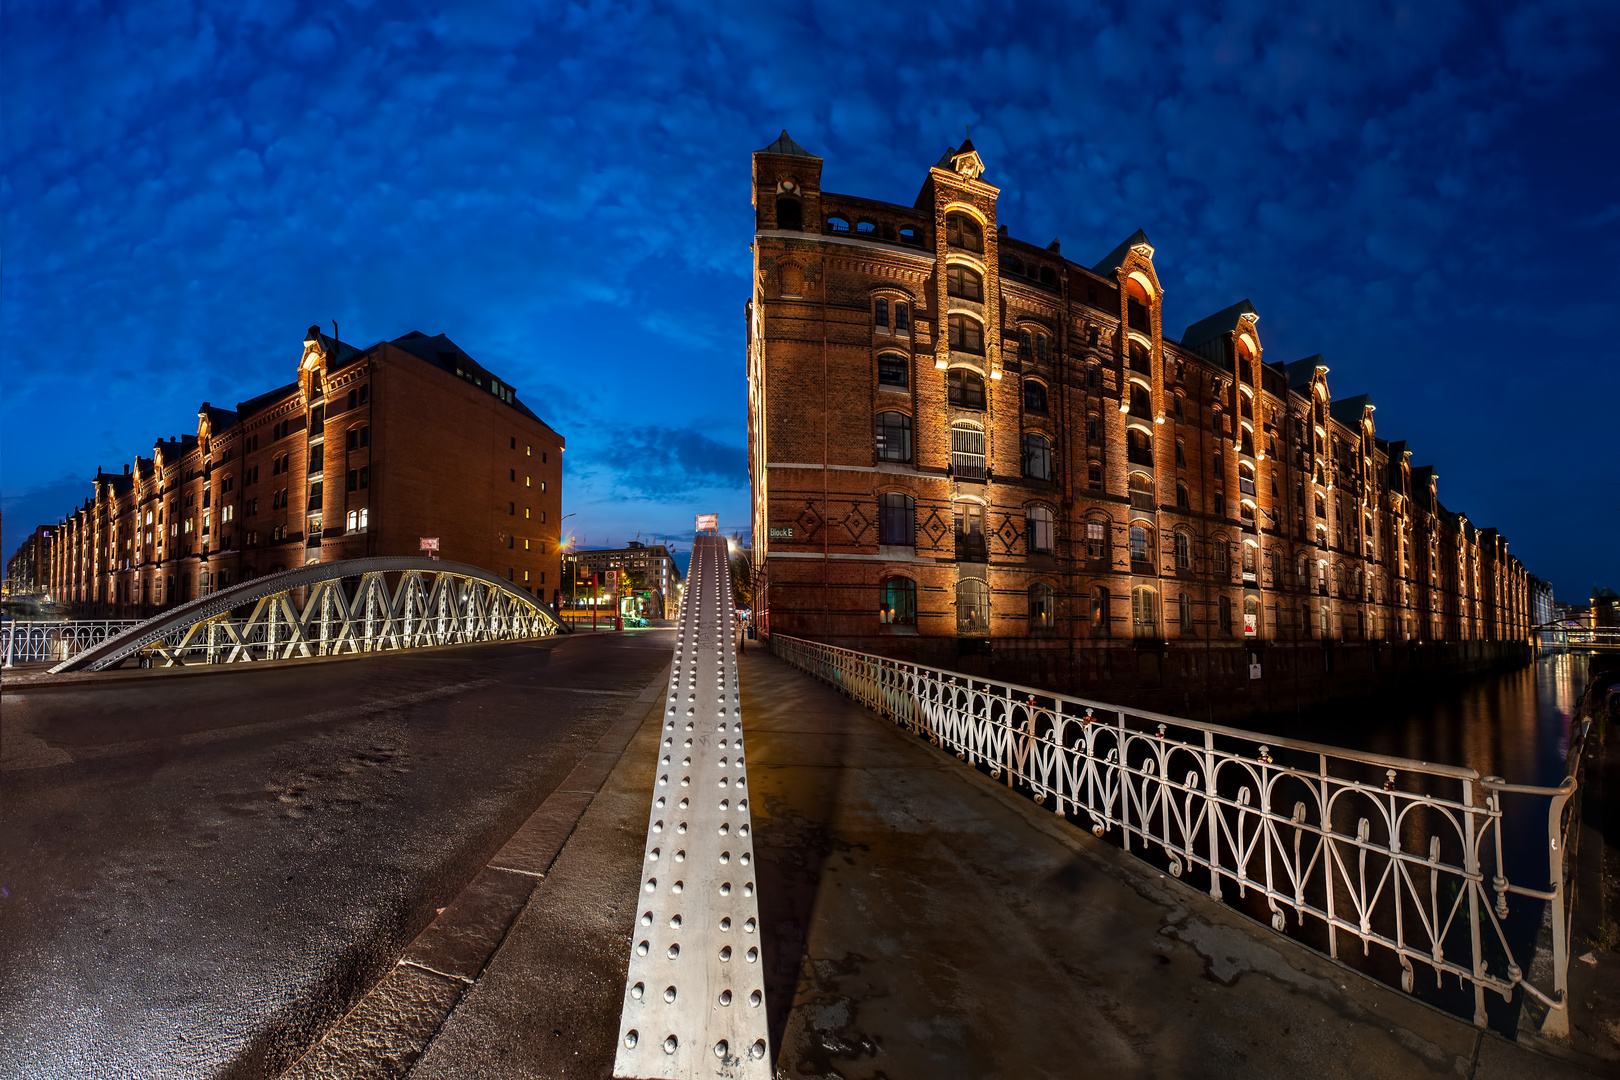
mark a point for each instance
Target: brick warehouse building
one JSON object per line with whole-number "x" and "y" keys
{"x": 967, "y": 450}
{"x": 367, "y": 452}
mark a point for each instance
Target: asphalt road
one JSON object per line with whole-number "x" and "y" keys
{"x": 198, "y": 874}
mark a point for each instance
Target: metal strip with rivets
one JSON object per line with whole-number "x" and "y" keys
{"x": 694, "y": 1001}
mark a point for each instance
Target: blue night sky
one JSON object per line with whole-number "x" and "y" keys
{"x": 1424, "y": 192}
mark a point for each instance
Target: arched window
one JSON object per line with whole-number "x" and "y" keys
{"x": 970, "y": 542}
{"x": 910, "y": 237}
{"x": 1321, "y": 507}
{"x": 1141, "y": 401}
{"x": 1139, "y": 447}
{"x": 902, "y": 317}
{"x": 1042, "y": 608}
{"x": 1246, "y": 441}
{"x": 973, "y": 607}
{"x": 1251, "y": 616}
{"x": 1093, "y": 428}
{"x": 880, "y": 313}
{"x": 1144, "y": 612}
{"x": 1038, "y": 519}
{"x": 1026, "y": 345}
{"x": 1225, "y": 607}
{"x": 893, "y": 370}
{"x": 1141, "y": 359}
{"x": 1094, "y": 476}
{"x": 966, "y": 334}
{"x": 1246, "y": 511}
{"x": 1037, "y": 456}
{"x": 897, "y": 601}
{"x": 1097, "y": 538}
{"x": 1141, "y": 489}
{"x": 1136, "y": 307}
{"x": 1185, "y": 603}
{"x": 1040, "y": 348}
{"x": 788, "y": 214}
{"x": 837, "y": 225}
{"x": 964, "y": 388}
{"x": 964, "y": 282}
{"x": 1182, "y": 500}
{"x": 893, "y": 436}
{"x": 1248, "y": 562}
{"x": 897, "y": 519}
{"x": 967, "y": 451}
{"x": 1034, "y": 396}
{"x": 962, "y": 231}
{"x": 1178, "y": 405}
{"x": 865, "y": 227}
{"x": 1012, "y": 264}
{"x": 1183, "y": 544}
{"x": 1215, "y": 423}
{"x": 1302, "y": 574}
{"x": 1181, "y": 452}
{"x": 1100, "y": 616}
{"x": 1246, "y": 478}
{"x": 1141, "y": 544}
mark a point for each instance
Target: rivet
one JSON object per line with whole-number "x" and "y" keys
{"x": 685, "y": 803}
{"x": 686, "y": 763}
{"x": 721, "y": 1049}
{"x": 652, "y": 884}
{"x": 675, "y": 921}
{"x": 725, "y": 953}
{"x": 637, "y": 990}
{"x": 669, "y": 993}
{"x": 660, "y": 803}
{"x": 724, "y": 803}
{"x": 641, "y": 948}
{"x": 725, "y": 923}
{"x": 662, "y": 780}
{"x": 722, "y": 781}
{"x": 689, "y": 723}
{"x": 757, "y": 1051}
{"x": 725, "y": 857}
{"x": 743, "y": 805}
{"x": 725, "y": 997}
{"x": 670, "y": 1044}
{"x": 680, "y": 856}
{"x": 725, "y": 827}
{"x": 676, "y": 888}
{"x": 725, "y": 888}
{"x": 681, "y": 828}
{"x": 646, "y": 918}
{"x": 742, "y": 830}
{"x": 630, "y": 1036}
{"x": 753, "y": 955}
{"x": 755, "y": 998}
{"x": 652, "y": 856}
{"x": 750, "y": 926}
{"x": 748, "y": 889}
{"x": 658, "y": 826}
{"x": 674, "y": 951}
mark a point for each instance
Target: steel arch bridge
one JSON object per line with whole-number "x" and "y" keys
{"x": 327, "y": 609}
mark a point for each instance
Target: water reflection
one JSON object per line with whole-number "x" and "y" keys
{"x": 1514, "y": 724}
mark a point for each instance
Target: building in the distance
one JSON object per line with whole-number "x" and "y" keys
{"x": 649, "y": 569}
{"x": 25, "y": 569}
{"x": 367, "y": 452}
{"x": 973, "y": 451}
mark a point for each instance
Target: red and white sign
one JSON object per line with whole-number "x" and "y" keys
{"x": 1251, "y": 624}
{"x": 430, "y": 543}
{"x": 711, "y": 522}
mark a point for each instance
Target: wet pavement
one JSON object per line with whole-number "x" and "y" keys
{"x": 199, "y": 875}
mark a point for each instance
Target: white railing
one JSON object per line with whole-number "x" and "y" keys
{"x": 28, "y": 641}
{"x": 1403, "y": 857}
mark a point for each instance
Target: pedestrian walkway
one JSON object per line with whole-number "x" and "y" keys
{"x": 924, "y": 922}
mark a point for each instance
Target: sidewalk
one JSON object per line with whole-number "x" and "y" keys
{"x": 923, "y": 922}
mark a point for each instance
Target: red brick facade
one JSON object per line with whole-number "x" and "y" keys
{"x": 365, "y": 453}
{"x": 963, "y": 444}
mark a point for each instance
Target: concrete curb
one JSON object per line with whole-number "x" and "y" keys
{"x": 391, "y": 1026}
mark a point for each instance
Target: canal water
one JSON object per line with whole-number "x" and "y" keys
{"x": 1514, "y": 724}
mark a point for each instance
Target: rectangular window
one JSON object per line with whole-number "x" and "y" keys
{"x": 314, "y": 496}
{"x": 896, "y": 519}
{"x": 892, "y": 370}
{"x": 893, "y": 436}
{"x": 1096, "y": 539}
{"x": 967, "y": 451}
{"x": 970, "y": 540}
{"x": 317, "y": 458}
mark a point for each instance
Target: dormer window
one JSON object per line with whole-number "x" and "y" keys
{"x": 963, "y": 232}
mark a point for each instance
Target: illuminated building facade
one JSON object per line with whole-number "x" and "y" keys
{"x": 972, "y": 451}
{"x": 367, "y": 452}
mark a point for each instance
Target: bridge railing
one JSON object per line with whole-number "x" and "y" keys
{"x": 1336, "y": 847}
{"x": 48, "y": 641}
{"x": 1564, "y": 636}
{"x": 326, "y": 609}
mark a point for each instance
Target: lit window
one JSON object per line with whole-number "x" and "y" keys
{"x": 1039, "y": 519}
{"x": 1144, "y": 612}
{"x": 964, "y": 389}
{"x": 966, "y": 335}
{"x": 973, "y": 607}
{"x": 967, "y": 451}
{"x": 1042, "y": 607}
{"x": 897, "y": 601}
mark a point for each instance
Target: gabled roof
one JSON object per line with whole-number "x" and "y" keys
{"x": 218, "y": 419}
{"x": 1117, "y": 256}
{"x": 1301, "y": 372}
{"x": 785, "y": 146}
{"x": 338, "y": 353}
{"x": 1348, "y": 411}
{"x": 1217, "y": 325}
